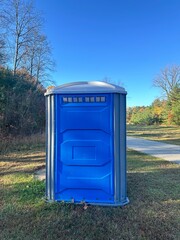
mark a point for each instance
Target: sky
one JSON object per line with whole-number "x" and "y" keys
{"x": 125, "y": 41}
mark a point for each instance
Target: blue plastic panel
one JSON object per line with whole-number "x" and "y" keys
{"x": 84, "y": 148}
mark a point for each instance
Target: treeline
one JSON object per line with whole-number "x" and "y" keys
{"x": 22, "y": 106}
{"x": 159, "y": 112}
{"x": 25, "y": 66}
{"x": 166, "y": 111}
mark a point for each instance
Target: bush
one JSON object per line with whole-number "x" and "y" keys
{"x": 22, "y": 104}
{"x": 144, "y": 117}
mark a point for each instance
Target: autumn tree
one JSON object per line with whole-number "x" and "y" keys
{"x": 169, "y": 82}
{"x": 142, "y": 116}
{"x": 173, "y": 105}
{"x": 159, "y": 110}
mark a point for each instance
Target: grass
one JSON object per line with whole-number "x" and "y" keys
{"x": 153, "y": 212}
{"x": 20, "y": 144}
{"x": 166, "y": 134}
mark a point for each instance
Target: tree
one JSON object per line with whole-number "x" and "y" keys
{"x": 143, "y": 116}
{"x": 28, "y": 46}
{"x": 109, "y": 80}
{"x": 20, "y": 20}
{"x": 22, "y": 109}
{"x": 2, "y": 52}
{"x": 38, "y": 59}
{"x": 168, "y": 78}
{"x": 159, "y": 110}
{"x": 44, "y": 62}
{"x": 3, "y": 55}
{"x": 173, "y": 105}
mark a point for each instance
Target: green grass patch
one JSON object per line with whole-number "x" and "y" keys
{"x": 153, "y": 212}
{"x": 166, "y": 134}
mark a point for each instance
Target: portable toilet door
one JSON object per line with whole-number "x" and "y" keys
{"x": 83, "y": 164}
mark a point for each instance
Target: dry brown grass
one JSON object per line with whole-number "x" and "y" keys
{"x": 22, "y": 154}
{"x": 17, "y": 144}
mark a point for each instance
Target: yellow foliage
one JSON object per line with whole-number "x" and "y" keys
{"x": 157, "y": 110}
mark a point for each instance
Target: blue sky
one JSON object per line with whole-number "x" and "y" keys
{"x": 127, "y": 41}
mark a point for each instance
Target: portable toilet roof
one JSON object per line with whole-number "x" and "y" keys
{"x": 84, "y": 87}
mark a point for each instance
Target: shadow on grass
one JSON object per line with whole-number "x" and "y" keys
{"x": 23, "y": 171}
{"x": 157, "y": 135}
{"x": 27, "y": 159}
{"x": 170, "y": 141}
{"x": 21, "y": 164}
{"x": 151, "y": 127}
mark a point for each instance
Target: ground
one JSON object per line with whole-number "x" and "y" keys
{"x": 153, "y": 211}
{"x": 166, "y": 134}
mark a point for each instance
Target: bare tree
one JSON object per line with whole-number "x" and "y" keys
{"x": 44, "y": 63}
{"x": 20, "y": 20}
{"x": 28, "y": 46}
{"x": 109, "y": 80}
{"x": 3, "y": 55}
{"x": 38, "y": 59}
{"x": 168, "y": 79}
{"x": 28, "y": 61}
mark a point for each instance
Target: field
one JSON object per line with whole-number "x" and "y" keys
{"x": 153, "y": 212}
{"x": 166, "y": 134}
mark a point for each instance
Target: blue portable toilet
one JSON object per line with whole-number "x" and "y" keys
{"x": 86, "y": 143}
